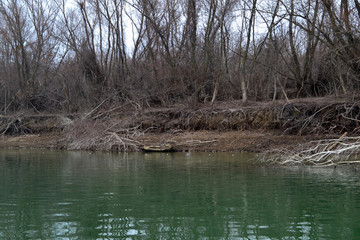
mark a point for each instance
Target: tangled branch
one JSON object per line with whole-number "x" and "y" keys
{"x": 343, "y": 150}
{"x": 101, "y": 135}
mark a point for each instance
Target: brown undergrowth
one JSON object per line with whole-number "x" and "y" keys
{"x": 85, "y": 134}
{"x": 229, "y": 126}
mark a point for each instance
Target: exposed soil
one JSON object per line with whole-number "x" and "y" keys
{"x": 230, "y": 126}
{"x": 253, "y": 141}
{"x": 27, "y": 141}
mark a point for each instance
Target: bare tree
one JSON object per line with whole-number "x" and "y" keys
{"x": 244, "y": 57}
{"x": 73, "y": 56}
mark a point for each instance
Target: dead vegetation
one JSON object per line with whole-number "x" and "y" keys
{"x": 33, "y": 124}
{"x": 299, "y": 117}
{"x": 315, "y": 116}
{"x": 229, "y": 126}
{"x": 122, "y": 129}
{"x": 323, "y": 118}
{"x": 329, "y": 152}
{"x": 87, "y": 134}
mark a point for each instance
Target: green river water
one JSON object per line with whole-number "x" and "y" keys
{"x": 84, "y": 195}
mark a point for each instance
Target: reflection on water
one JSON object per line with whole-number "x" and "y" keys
{"x": 84, "y": 195}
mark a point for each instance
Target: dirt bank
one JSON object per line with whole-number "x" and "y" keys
{"x": 254, "y": 141}
{"x": 230, "y": 126}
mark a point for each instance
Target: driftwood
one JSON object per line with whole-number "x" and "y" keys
{"x": 158, "y": 148}
{"x": 334, "y": 145}
{"x": 329, "y": 152}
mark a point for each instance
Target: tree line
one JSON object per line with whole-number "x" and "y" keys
{"x": 73, "y": 55}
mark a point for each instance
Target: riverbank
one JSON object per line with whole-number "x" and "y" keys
{"x": 236, "y": 141}
{"x": 230, "y": 126}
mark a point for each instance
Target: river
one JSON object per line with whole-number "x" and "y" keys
{"x": 87, "y": 195}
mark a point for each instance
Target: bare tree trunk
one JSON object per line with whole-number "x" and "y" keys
{"x": 341, "y": 79}
{"x": 245, "y": 55}
{"x": 296, "y": 68}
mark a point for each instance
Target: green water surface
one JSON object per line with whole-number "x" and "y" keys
{"x": 83, "y": 195}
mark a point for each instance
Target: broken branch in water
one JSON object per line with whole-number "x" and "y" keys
{"x": 321, "y": 153}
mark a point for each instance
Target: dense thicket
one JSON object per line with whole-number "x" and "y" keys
{"x": 71, "y": 56}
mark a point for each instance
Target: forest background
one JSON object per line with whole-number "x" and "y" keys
{"x": 60, "y": 56}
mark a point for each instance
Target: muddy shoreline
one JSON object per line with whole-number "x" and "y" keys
{"x": 230, "y": 126}
{"x": 200, "y": 141}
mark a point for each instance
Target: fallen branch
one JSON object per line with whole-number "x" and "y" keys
{"x": 96, "y": 108}
{"x": 201, "y": 142}
{"x": 336, "y": 143}
{"x": 96, "y": 135}
{"x": 8, "y": 125}
{"x": 319, "y": 153}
